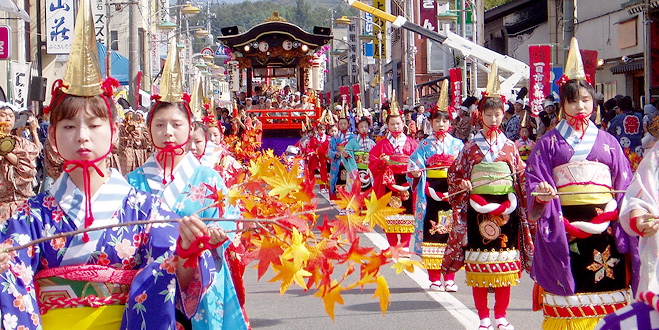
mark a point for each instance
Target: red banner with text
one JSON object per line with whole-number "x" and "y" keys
{"x": 455, "y": 76}
{"x": 345, "y": 95}
{"x": 428, "y": 15}
{"x": 355, "y": 92}
{"x": 540, "y": 64}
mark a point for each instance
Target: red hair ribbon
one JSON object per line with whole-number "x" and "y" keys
{"x": 108, "y": 85}
{"x": 57, "y": 86}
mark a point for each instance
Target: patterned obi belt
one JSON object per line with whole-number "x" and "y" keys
{"x": 492, "y": 268}
{"x": 432, "y": 254}
{"x": 492, "y": 179}
{"x": 82, "y": 286}
{"x": 586, "y": 176}
{"x": 584, "y": 305}
{"x": 437, "y": 174}
{"x": 361, "y": 157}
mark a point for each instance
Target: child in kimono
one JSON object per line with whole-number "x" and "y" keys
{"x": 490, "y": 235}
{"x": 581, "y": 252}
{"x": 17, "y": 165}
{"x": 355, "y": 156}
{"x": 317, "y": 150}
{"x": 388, "y": 163}
{"x": 338, "y": 172}
{"x": 198, "y": 142}
{"x": 125, "y": 278}
{"x": 433, "y": 217}
{"x": 524, "y": 144}
{"x": 181, "y": 181}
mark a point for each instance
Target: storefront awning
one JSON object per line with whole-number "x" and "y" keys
{"x": 634, "y": 65}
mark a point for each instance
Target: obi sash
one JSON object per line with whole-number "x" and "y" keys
{"x": 482, "y": 174}
{"x": 82, "y": 286}
{"x": 492, "y": 268}
{"x": 584, "y": 305}
{"x": 361, "y": 157}
{"x": 583, "y": 176}
{"x": 437, "y": 174}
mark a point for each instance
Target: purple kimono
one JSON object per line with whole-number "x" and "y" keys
{"x": 552, "y": 262}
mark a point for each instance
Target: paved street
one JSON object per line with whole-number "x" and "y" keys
{"x": 412, "y": 306}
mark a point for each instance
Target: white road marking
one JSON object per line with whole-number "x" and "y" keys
{"x": 460, "y": 312}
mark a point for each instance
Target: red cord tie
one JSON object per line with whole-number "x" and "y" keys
{"x": 84, "y": 165}
{"x": 168, "y": 152}
{"x": 195, "y": 250}
{"x": 441, "y": 135}
{"x": 579, "y": 121}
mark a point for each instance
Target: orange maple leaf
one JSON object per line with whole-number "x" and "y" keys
{"x": 349, "y": 224}
{"x": 382, "y": 291}
{"x": 269, "y": 250}
{"x": 283, "y": 183}
{"x": 331, "y": 297}
{"x": 377, "y": 210}
{"x": 287, "y": 273}
{"x": 356, "y": 252}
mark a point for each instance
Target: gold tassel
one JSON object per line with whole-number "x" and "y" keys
{"x": 432, "y": 262}
{"x": 587, "y": 323}
{"x": 492, "y": 280}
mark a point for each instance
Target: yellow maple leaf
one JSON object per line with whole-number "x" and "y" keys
{"x": 405, "y": 264}
{"x": 382, "y": 291}
{"x": 297, "y": 251}
{"x": 234, "y": 195}
{"x": 287, "y": 273}
{"x": 366, "y": 278}
{"x": 331, "y": 297}
{"x": 377, "y": 210}
{"x": 259, "y": 167}
{"x": 283, "y": 182}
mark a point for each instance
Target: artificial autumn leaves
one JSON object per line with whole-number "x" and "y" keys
{"x": 295, "y": 251}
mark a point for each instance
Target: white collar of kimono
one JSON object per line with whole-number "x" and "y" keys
{"x": 490, "y": 151}
{"x": 182, "y": 174}
{"x": 398, "y": 142}
{"x": 107, "y": 200}
{"x": 580, "y": 146}
{"x": 444, "y": 146}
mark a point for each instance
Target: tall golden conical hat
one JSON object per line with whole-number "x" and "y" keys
{"x": 394, "y": 109}
{"x": 323, "y": 117}
{"x": 342, "y": 113}
{"x": 442, "y": 102}
{"x": 196, "y": 100}
{"x": 493, "y": 85}
{"x": 171, "y": 86}
{"x": 308, "y": 121}
{"x": 598, "y": 116}
{"x": 304, "y": 127}
{"x": 524, "y": 120}
{"x": 83, "y": 71}
{"x": 330, "y": 118}
{"x": 574, "y": 64}
{"x": 360, "y": 109}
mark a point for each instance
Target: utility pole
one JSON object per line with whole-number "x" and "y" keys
{"x": 331, "y": 60}
{"x": 108, "y": 41}
{"x": 463, "y": 33}
{"x": 133, "y": 55}
{"x": 647, "y": 81}
{"x": 411, "y": 54}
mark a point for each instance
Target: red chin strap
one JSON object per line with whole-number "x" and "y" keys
{"x": 580, "y": 122}
{"x": 441, "y": 135}
{"x": 85, "y": 165}
{"x": 169, "y": 152}
{"x": 395, "y": 134}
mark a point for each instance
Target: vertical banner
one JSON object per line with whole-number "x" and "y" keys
{"x": 590, "y": 63}
{"x": 307, "y": 79}
{"x": 540, "y": 65}
{"x": 318, "y": 73}
{"x": 654, "y": 51}
{"x": 5, "y": 42}
{"x": 380, "y": 29}
{"x": 233, "y": 76}
{"x": 60, "y": 18}
{"x": 455, "y": 76}
{"x": 329, "y": 99}
{"x": 355, "y": 92}
{"x": 20, "y": 79}
{"x": 98, "y": 12}
{"x": 345, "y": 94}
{"x": 428, "y": 15}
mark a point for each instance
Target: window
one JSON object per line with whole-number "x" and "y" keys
{"x": 627, "y": 34}
{"x": 114, "y": 40}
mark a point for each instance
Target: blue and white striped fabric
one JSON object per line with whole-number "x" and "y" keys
{"x": 580, "y": 146}
{"x": 491, "y": 152}
{"x": 169, "y": 192}
{"x": 107, "y": 200}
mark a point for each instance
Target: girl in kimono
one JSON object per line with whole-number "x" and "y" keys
{"x": 121, "y": 278}
{"x": 432, "y": 213}
{"x": 338, "y": 173}
{"x": 387, "y": 161}
{"x": 355, "y": 154}
{"x": 198, "y": 141}
{"x": 581, "y": 252}
{"x": 181, "y": 181}
{"x": 17, "y": 165}
{"x": 490, "y": 235}
{"x": 524, "y": 144}
{"x": 317, "y": 150}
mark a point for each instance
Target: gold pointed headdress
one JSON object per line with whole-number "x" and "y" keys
{"x": 197, "y": 100}
{"x": 524, "y": 121}
{"x": 171, "y": 86}
{"x": 304, "y": 127}
{"x": 360, "y": 109}
{"x": 442, "y": 102}
{"x": 493, "y": 88}
{"x": 574, "y": 68}
{"x": 394, "y": 109}
{"x": 83, "y": 71}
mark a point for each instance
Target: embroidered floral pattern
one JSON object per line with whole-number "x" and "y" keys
{"x": 603, "y": 264}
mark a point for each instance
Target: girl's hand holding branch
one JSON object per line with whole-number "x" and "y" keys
{"x": 546, "y": 192}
